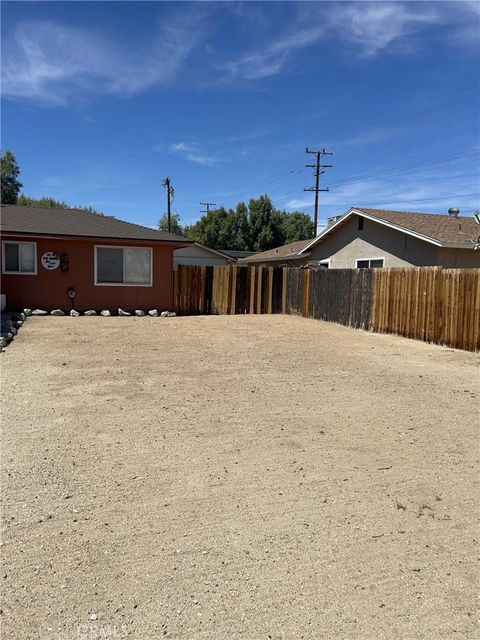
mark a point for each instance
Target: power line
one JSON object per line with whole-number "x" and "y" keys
{"x": 458, "y": 195}
{"x": 405, "y": 168}
{"x": 269, "y": 179}
{"x": 318, "y": 172}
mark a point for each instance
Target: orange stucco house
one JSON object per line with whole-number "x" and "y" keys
{"x": 64, "y": 258}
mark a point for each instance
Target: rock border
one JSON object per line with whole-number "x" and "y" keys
{"x": 11, "y": 321}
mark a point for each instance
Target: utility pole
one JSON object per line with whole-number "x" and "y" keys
{"x": 318, "y": 166}
{"x": 169, "y": 188}
{"x": 207, "y": 205}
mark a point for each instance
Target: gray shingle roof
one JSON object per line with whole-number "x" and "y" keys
{"x": 285, "y": 252}
{"x": 75, "y": 222}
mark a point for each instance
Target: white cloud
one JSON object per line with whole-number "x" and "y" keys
{"x": 50, "y": 62}
{"x": 364, "y": 29}
{"x": 271, "y": 59}
{"x": 373, "y": 26}
{"x": 370, "y": 136}
{"x": 192, "y": 152}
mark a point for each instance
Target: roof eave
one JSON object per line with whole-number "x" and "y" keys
{"x": 392, "y": 225}
{"x": 294, "y": 256}
{"x": 218, "y": 253}
{"x": 63, "y": 236}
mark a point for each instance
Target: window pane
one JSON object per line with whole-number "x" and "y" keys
{"x": 27, "y": 257}
{"x": 362, "y": 264}
{"x": 109, "y": 265}
{"x": 11, "y": 257}
{"x": 137, "y": 266}
{"x": 325, "y": 265}
{"x": 375, "y": 264}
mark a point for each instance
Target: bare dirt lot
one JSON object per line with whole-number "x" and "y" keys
{"x": 246, "y": 477}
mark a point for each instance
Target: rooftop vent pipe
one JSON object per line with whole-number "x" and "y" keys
{"x": 453, "y": 211}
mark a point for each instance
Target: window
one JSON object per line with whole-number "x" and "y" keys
{"x": 376, "y": 263}
{"x": 325, "y": 264}
{"x": 360, "y": 223}
{"x": 20, "y": 257}
{"x": 123, "y": 266}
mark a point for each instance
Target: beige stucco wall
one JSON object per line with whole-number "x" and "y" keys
{"x": 348, "y": 244}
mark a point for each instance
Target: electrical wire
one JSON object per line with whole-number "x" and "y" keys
{"x": 458, "y": 195}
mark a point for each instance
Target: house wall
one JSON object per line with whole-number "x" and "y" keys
{"x": 459, "y": 258}
{"x": 198, "y": 256}
{"x": 348, "y": 244}
{"x": 48, "y": 289}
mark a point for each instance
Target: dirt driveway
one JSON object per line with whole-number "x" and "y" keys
{"x": 237, "y": 477}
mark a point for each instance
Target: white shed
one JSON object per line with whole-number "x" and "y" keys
{"x": 201, "y": 256}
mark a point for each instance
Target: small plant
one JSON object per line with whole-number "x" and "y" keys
{"x": 425, "y": 509}
{"x": 400, "y": 505}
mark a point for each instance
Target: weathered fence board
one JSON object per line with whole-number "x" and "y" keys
{"x": 426, "y": 303}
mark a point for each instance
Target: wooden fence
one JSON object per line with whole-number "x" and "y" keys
{"x": 426, "y": 303}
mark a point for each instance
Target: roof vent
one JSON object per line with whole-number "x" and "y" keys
{"x": 453, "y": 211}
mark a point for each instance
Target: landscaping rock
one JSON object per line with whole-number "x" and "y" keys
{"x": 105, "y": 313}
{"x": 90, "y": 312}
{"x": 74, "y": 313}
{"x": 38, "y": 312}
{"x": 27, "y": 312}
{"x": 164, "y": 314}
{"x": 153, "y": 313}
{"x": 121, "y": 312}
{"x": 3, "y": 342}
{"x": 139, "y": 312}
{"x": 23, "y": 316}
{"x": 18, "y": 323}
{"x": 57, "y": 312}
{"x": 168, "y": 314}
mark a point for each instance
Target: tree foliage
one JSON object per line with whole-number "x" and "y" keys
{"x": 46, "y": 201}
{"x": 258, "y": 227}
{"x": 177, "y": 228}
{"x": 10, "y": 184}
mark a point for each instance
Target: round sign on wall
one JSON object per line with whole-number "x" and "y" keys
{"x": 50, "y": 260}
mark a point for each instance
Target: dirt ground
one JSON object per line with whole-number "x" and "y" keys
{"x": 253, "y": 477}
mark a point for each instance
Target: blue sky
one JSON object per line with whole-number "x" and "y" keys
{"x": 102, "y": 100}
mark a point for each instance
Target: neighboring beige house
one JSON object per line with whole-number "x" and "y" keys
{"x": 364, "y": 238}
{"x": 199, "y": 255}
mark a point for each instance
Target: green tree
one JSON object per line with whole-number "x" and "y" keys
{"x": 10, "y": 184}
{"x": 214, "y": 229}
{"x": 175, "y": 224}
{"x": 296, "y": 226}
{"x": 47, "y": 201}
{"x": 240, "y": 228}
{"x": 266, "y": 230}
{"x": 257, "y": 227}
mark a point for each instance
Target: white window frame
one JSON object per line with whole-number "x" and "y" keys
{"x": 120, "y": 284}
{"x": 19, "y": 273}
{"x": 369, "y": 260}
